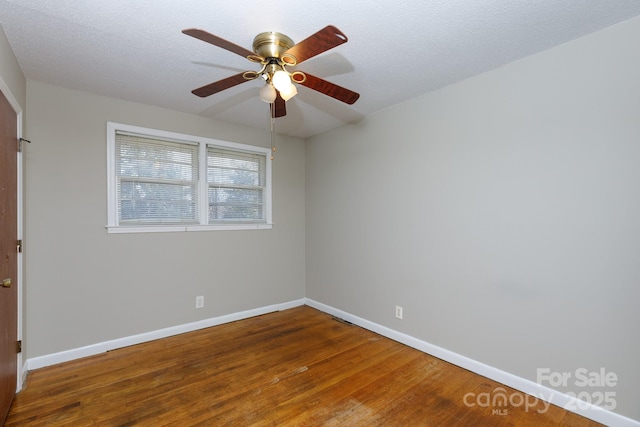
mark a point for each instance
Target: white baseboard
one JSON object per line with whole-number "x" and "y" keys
{"x": 524, "y": 385}
{"x": 90, "y": 350}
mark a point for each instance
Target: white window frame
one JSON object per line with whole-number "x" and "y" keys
{"x": 113, "y": 225}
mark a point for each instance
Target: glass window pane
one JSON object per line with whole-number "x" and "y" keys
{"x": 157, "y": 180}
{"x": 236, "y": 185}
{"x": 235, "y": 204}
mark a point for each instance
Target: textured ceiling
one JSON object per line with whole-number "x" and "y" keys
{"x": 134, "y": 50}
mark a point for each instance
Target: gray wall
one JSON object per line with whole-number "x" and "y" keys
{"x": 502, "y": 213}
{"x": 86, "y": 286}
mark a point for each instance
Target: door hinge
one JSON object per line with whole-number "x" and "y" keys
{"x": 20, "y": 246}
{"x": 19, "y": 346}
{"x": 20, "y": 141}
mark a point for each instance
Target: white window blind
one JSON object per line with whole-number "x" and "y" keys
{"x": 157, "y": 180}
{"x": 236, "y": 185}
{"x": 161, "y": 181}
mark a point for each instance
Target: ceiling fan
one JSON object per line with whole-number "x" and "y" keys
{"x": 274, "y": 52}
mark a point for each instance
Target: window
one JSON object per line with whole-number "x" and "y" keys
{"x": 163, "y": 181}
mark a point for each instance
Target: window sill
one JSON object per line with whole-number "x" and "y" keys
{"x": 120, "y": 229}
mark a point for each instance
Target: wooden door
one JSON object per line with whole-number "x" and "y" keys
{"x": 9, "y": 256}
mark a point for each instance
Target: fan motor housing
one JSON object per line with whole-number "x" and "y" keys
{"x": 271, "y": 44}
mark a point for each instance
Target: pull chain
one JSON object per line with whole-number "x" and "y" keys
{"x": 272, "y": 107}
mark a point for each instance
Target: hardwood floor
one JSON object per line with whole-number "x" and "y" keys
{"x": 296, "y": 367}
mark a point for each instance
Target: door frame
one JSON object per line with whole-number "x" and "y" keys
{"x": 18, "y": 110}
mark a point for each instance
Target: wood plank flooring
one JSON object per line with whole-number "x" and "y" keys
{"x": 297, "y": 367}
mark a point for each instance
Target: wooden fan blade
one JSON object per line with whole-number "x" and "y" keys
{"x": 330, "y": 89}
{"x": 280, "y": 107}
{"x": 217, "y": 41}
{"x": 219, "y": 86}
{"x": 325, "y": 39}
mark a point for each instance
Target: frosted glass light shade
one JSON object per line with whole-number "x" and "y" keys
{"x": 281, "y": 80}
{"x": 268, "y": 93}
{"x": 289, "y": 92}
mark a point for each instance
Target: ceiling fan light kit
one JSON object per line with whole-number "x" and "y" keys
{"x": 276, "y": 51}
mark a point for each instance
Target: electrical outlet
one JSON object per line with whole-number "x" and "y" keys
{"x": 199, "y": 302}
{"x": 398, "y": 312}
